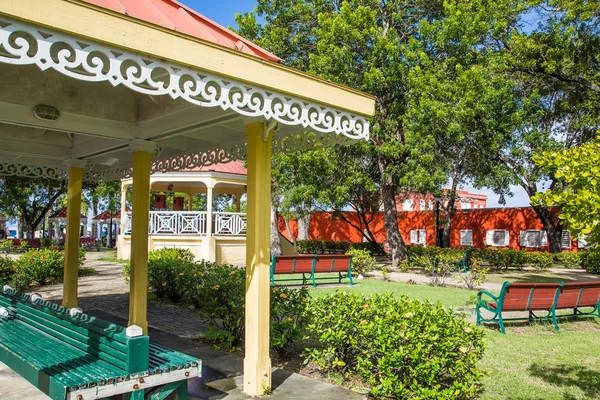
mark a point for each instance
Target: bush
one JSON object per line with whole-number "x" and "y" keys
{"x": 6, "y": 245}
{"x": 571, "y": 259}
{"x": 362, "y": 261}
{"x": 288, "y": 318}
{"x": 540, "y": 259}
{"x": 590, "y": 260}
{"x": 476, "y": 274}
{"x": 401, "y": 348}
{"x": 43, "y": 266}
{"x": 7, "y": 270}
{"x": 334, "y": 247}
{"x": 172, "y": 273}
{"x": 219, "y": 299}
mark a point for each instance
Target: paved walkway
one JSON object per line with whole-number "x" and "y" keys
{"x": 105, "y": 295}
{"x": 395, "y": 275}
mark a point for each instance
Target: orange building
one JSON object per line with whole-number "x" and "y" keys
{"x": 426, "y": 202}
{"x": 516, "y": 227}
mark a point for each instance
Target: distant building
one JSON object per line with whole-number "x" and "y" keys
{"x": 425, "y": 202}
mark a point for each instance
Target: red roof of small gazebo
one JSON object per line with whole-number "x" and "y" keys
{"x": 173, "y": 15}
{"x": 62, "y": 214}
{"x": 234, "y": 167}
{"x": 106, "y": 215}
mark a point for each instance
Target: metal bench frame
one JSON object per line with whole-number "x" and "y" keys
{"x": 139, "y": 366}
{"x": 313, "y": 272}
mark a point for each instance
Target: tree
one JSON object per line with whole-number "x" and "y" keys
{"x": 109, "y": 194}
{"x": 358, "y": 43}
{"x": 556, "y": 76}
{"x": 577, "y": 192}
{"x": 29, "y": 199}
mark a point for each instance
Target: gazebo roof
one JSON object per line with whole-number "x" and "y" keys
{"x": 62, "y": 215}
{"x": 173, "y": 15}
{"x": 106, "y": 216}
{"x": 234, "y": 167}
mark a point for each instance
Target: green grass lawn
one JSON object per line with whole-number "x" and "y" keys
{"x": 529, "y": 362}
{"x": 110, "y": 256}
{"x": 525, "y": 276}
{"x": 536, "y": 363}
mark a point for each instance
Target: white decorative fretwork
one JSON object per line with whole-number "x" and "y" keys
{"x": 177, "y": 222}
{"x": 230, "y": 223}
{"x": 79, "y": 58}
{"x": 28, "y": 171}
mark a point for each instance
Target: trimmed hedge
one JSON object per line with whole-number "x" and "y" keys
{"x": 400, "y": 348}
{"x": 420, "y": 257}
{"x": 336, "y": 247}
{"x": 571, "y": 259}
{"x": 42, "y": 266}
{"x": 590, "y": 260}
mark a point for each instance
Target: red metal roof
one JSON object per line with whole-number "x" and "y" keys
{"x": 62, "y": 214}
{"x": 173, "y": 15}
{"x": 106, "y": 215}
{"x": 234, "y": 167}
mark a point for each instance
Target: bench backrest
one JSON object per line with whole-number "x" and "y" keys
{"x": 101, "y": 339}
{"x": 529, "y": 296}
{"x": 579, "y": 294}
{"x": 292, "y": 264}
{"x": 333, "y": 262}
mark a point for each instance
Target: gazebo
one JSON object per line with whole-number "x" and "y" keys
{"x": 60, "y": 218}
{"x": 107, "y": 218}
{"x": 115, "y": 89}
{"x": 209, "y": 235}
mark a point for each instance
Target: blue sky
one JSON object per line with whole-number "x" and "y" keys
{"x": 221, "y": 11}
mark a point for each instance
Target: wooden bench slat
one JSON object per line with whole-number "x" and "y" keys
{"x": 312, "y": 264}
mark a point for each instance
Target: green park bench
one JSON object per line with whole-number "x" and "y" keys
{"x": 540, "y": 296}
{"x": 311, "y": 265}
{"x": 464, "y": 263}
{"x": 514, "y": 297}
{"x": 70, "y": 355}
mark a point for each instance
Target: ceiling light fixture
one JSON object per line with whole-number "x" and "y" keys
{"x": 46, "y": 113}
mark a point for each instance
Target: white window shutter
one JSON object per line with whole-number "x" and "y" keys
{"x": 489, "y": 238}
{"x": 523, "y": 239}
{"x": 506, "y": 238}
{"x": 413, "y": 237}
{"x": 423, "y": 237}
{"x": 544, "y": 239}
{"x": 565, "y": 240}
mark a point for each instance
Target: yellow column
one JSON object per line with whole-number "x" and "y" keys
{"x": 257, "y": 363}
{"x": 72, "y": 236}
{"x": 140, "y": 211}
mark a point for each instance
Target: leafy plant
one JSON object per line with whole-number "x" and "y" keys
{"x": 591, "y": 261}
{"x": 172, "y": 273}
{"x": 476, "y": 274}
{"x": 571, "y": 259}
{"x": 540, "y": 259}
{"x": 43, "y": 266}
{"x": 398, "y": 347}
{"x": 288, "y": 318}
{"x": 362, "y": 261}
{"x": 7, "y": 270}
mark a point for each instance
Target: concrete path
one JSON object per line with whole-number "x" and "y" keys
{"x": 105, "y": 295}
{"x": 395, "y": 275}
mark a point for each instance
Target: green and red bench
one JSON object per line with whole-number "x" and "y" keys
{"x": 309, "y": 265}
{"x": 70, "y": 355}
{"x": 535, "y": 297}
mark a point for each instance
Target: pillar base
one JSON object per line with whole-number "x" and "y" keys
{"x": 257, "y": 378}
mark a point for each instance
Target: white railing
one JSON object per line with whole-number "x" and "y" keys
{"x": 230, "y": 223}
{"x": 191, "y": 223}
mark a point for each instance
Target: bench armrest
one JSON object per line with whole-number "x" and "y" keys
{"x": 495, "y": 298}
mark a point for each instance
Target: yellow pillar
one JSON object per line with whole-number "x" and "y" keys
{"x": 257, "y": 363}
{"x": 140, "y": 211}
{"x": 72, "y": 237}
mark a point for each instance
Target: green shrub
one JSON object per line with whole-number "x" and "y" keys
{"x": 288, "y": 318}
{"x": 219, "y": 300}
{"x": 362, "y": 261}
{"x": 335, "y": 247}
{"x": 540, "y": 259}
{"x": 401, "y": 348}
{"x": 172, "y": 273}
{"x": 571, "y": 259}
{"x": 7, "y": 270}
{"x": 590, "y": 260}
{"x": 7, "y": 245}
{"x": 43, "y": 266}
{"x": 46, "y": 242}
{"x": 476, "y": 274}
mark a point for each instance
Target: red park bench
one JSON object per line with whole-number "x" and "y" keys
{"x": 532, "y": 297}
{"x": 311, "y": 265}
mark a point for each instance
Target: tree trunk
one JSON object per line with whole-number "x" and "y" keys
{"x": 109, "y": 233}
{"x": 553, "y": 229}
{"x": 289, "y": 231}
{"x": 390, "y": 214}
{"x": 275, "y": 241}
{"x": 95, "y": 226}
{"x": 449, "y": 212}
{"x": 303, "y": 227}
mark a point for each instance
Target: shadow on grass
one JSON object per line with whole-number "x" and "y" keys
{"x": 529, "y": 277}
{"x": 568, "y": 377}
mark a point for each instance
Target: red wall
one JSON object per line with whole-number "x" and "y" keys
{"x": 514, "y": 220}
